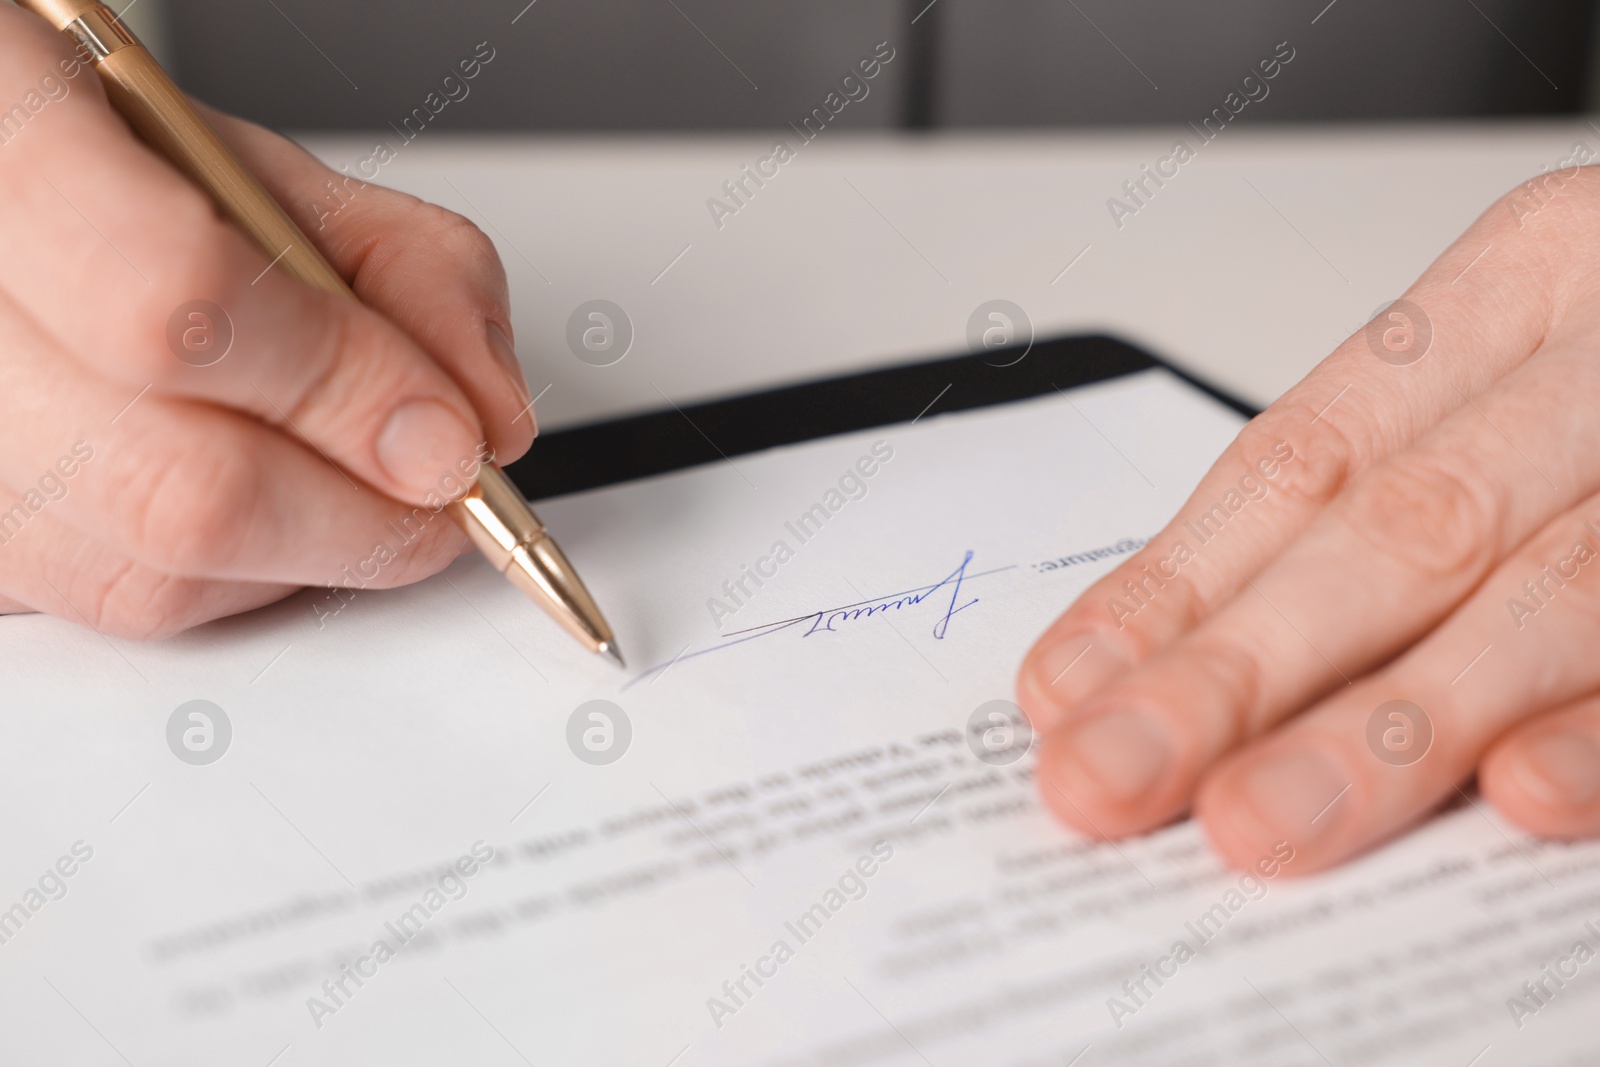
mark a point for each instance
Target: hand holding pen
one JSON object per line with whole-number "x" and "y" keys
{"x": 215, "y": 487}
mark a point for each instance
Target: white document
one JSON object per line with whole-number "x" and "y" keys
{"x": 412, "y": 850}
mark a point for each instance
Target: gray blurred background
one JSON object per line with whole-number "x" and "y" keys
{"x": 667, "y": 65}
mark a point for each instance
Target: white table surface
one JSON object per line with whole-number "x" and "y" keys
{"x": 1266, "y": 250}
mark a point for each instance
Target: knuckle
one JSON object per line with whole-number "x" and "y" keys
{"x": 457, "y": 235}
{"x": 187, "y": 517}
{"x": 340, "y": 368}
{"x": 1546, "y": 206}
{"x": 1233, "y": 671}
{"x": 1264, "y": 463}
{"x": 1310, "y": 467}
{"x": 1122, "y": 601}
{"x": 1428, "y": 514}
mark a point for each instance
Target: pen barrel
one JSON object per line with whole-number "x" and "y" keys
{"x": 165, "y": 118}
{"x": 170, "y": 123}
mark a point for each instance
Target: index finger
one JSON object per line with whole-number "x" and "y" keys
{"x": 428, "y": 270}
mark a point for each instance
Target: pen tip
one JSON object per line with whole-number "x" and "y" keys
{"x": 609, "y": 648}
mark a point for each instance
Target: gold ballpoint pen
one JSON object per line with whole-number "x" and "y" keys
{"x": 493, "y": 512}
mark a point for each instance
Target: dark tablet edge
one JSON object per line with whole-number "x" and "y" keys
{"x": 658, "y": 442}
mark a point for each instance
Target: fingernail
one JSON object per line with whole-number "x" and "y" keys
{"x": 500, "y": 345}
{"x": 1123, "y": 753}
{"x": 1560, "y": 769}
{"x": 1297, "y": 796}
{"x": 421, "y": 444}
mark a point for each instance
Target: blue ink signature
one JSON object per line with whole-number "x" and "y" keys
{"x": 831, "y": 620}
{"x": 826, "y": 620}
